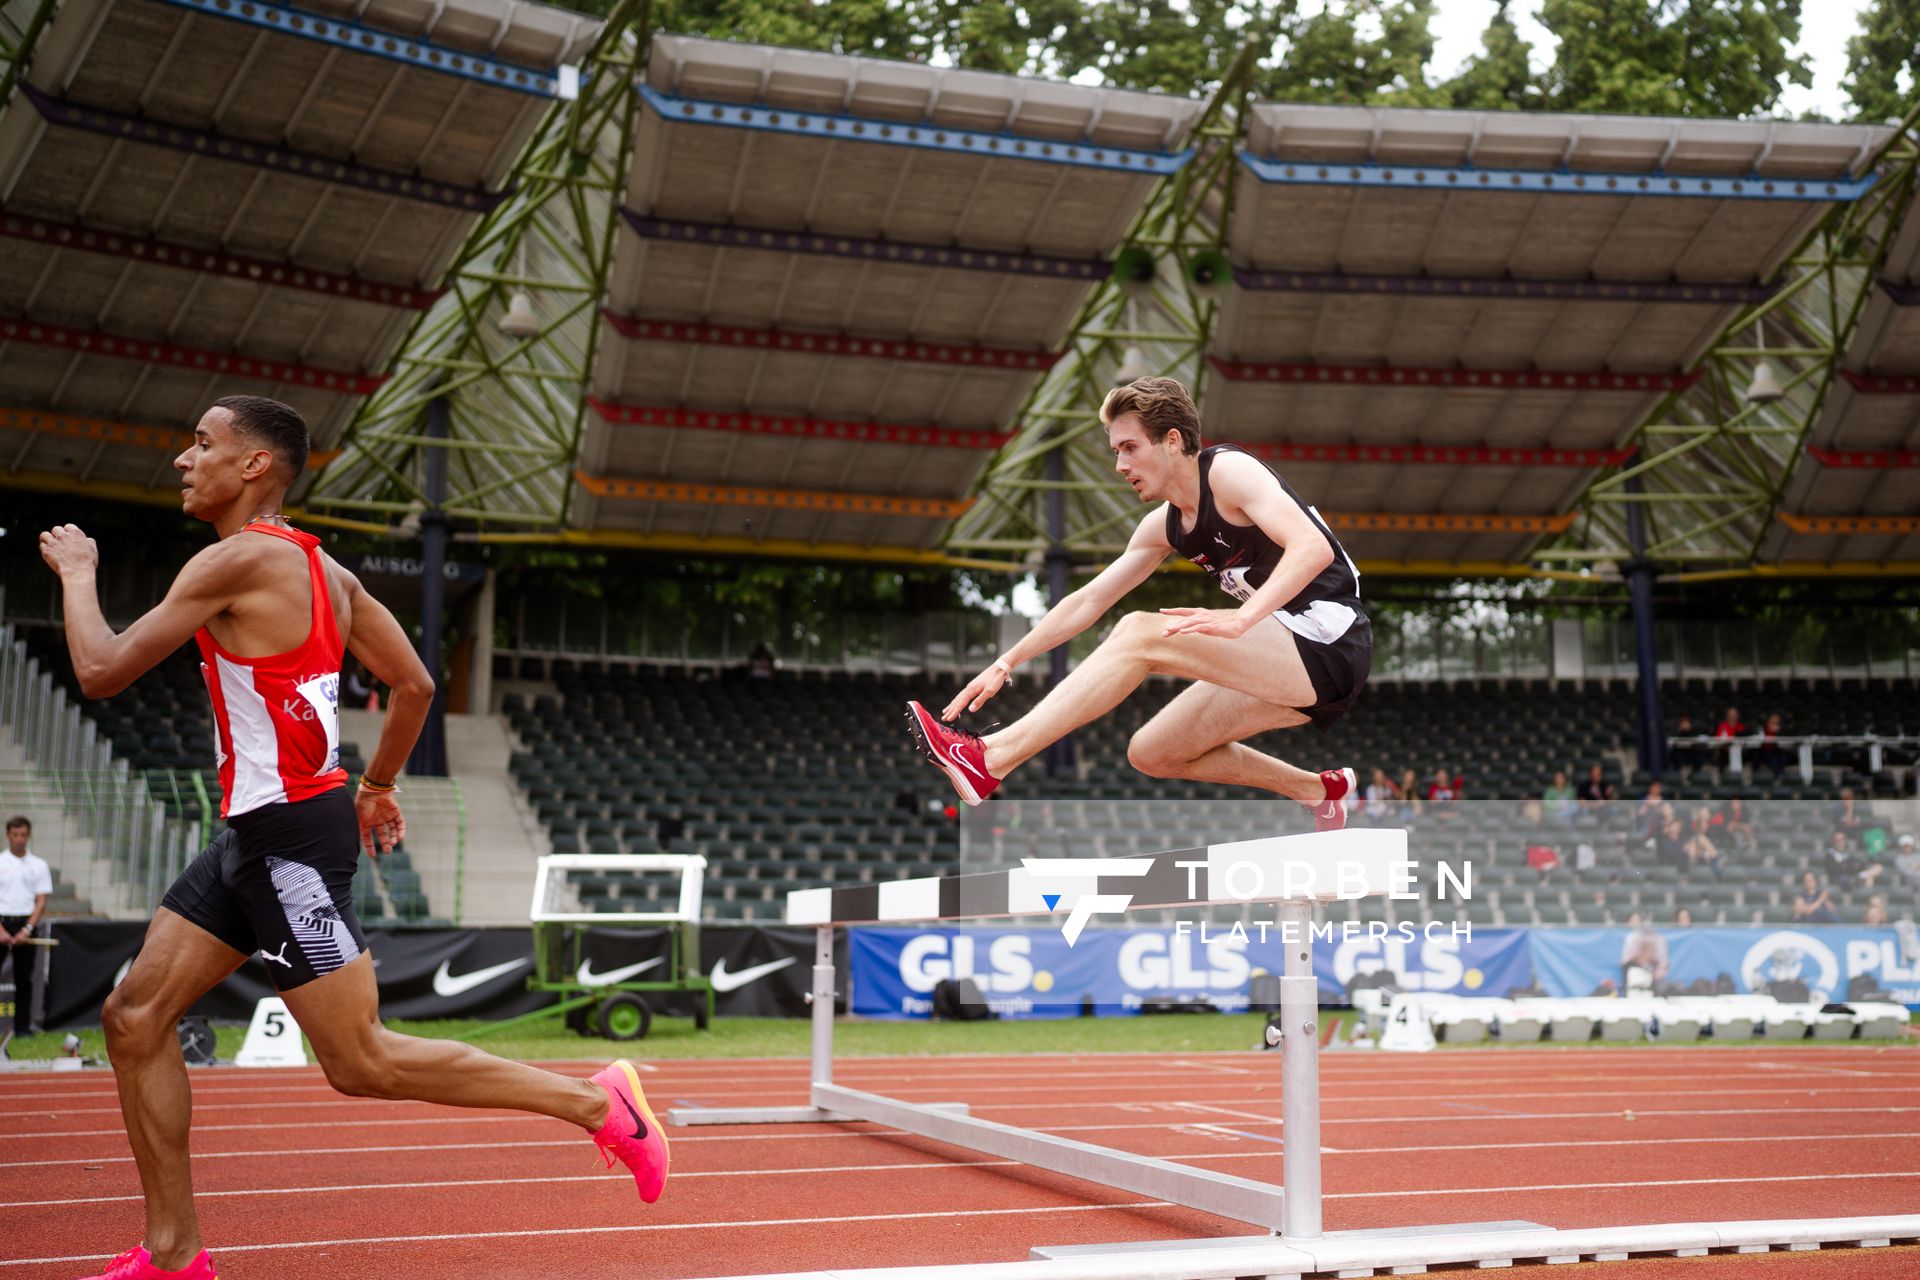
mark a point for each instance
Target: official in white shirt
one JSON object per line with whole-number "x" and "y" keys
{"x": 25, "y": 883}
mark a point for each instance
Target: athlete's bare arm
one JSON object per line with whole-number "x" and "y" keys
{"x": 1245, "y": 492}
{"x": 1080, "y": 610}
{"x": 106, "y": 663}
{"x": 377, "y": 639}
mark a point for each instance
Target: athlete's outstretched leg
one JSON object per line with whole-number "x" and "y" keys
{"x": 1200, "y": 736}
{"x": 178, "y": 963}
{"x": 1263, "y": 664}
{"x": 340, "y": 1014}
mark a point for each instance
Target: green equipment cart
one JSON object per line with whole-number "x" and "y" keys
{"x": 566, "y": 890}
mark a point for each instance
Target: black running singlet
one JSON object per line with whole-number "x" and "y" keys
{"x": 1242, "y": 557}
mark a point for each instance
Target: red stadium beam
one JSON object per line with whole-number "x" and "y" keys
{"x": 644, "y": 415}
{"x": 74, "y": 427}
{"x": 1873, "y": 459}
{"x": 1442, "y": 455}
{"x": 1345, "y": 375}
{"x": 194, "y": 359}
{"x": 1849, "y": 524}
{"x": 832, "y": 344}
{"x": 166, "y": 253}
{"x": 682, "y": 494}
{"x": 1409, "y": 522}
{"x": 1882, "y": 384}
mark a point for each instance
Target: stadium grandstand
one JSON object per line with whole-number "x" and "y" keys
{"x": 1596, "y": 404}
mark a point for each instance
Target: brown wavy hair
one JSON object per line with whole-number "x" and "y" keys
{"x": 1162, "y": 405}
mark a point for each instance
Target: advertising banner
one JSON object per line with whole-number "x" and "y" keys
{"x": 1826, "y": 959}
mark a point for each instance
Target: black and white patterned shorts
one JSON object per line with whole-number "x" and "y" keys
{"x": 279, "y": 881}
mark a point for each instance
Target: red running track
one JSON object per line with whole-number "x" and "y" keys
{"x": 297, "y": 1182}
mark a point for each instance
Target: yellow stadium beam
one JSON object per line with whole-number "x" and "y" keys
{"x": 75, "y": 427}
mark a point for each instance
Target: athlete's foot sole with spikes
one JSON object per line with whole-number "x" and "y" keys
{"x": 956, "y": 753}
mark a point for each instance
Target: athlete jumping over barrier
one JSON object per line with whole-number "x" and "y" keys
{"x": 272, "y": 616}
{"x": 1295, "y": 651}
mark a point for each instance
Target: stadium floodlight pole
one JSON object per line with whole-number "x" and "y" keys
{"x": 429, "y": 755}
{"x": 1639, "y": 572}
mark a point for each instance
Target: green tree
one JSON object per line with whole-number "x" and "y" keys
{"x": 1358, "y": 52}
{"x": 1672, "y": 57}
{"x": 1499, "y": 77}
{"x": 1883, "y": 61}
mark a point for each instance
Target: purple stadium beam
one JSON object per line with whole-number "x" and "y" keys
{"x": 1503, "y": 287}
{"x": 167, "y": 253}
{"x": 258, "y": 155}
{"x": 866, "y": 250}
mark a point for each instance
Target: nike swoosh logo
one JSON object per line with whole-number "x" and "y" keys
{"x": 639, "y": 1126}
{"x": 588, "y": 978}
{"x": 958, "y": 754}
{"x": 722, "y": 981}
{"x": 447, "y": 986}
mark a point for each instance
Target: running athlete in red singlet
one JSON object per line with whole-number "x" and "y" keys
{"x": 272, "y": 616}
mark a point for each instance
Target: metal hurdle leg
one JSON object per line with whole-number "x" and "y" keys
{"x": 821, "y": 996}
{"x": 1300, "y": 1071}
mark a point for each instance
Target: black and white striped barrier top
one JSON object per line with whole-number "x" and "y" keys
{"x": 1321, "y": 866}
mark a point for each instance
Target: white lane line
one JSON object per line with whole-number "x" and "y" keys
{"x": 976, "y": 1090}
{"x": 1618, "y": 1186}
{"x": 890, "y": 1135}
{"x": 1485, "y": 1120}
{"x": 526, "y": 1181}
{"x": 627, "y": 1229}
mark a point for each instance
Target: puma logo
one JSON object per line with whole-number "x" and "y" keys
{"x": 1222, "y": 541}
{"x": 280, "y": 958}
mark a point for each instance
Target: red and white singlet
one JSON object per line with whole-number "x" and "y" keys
{"x": 277, "y": 719}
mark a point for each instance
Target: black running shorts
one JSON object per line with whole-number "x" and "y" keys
{"x": 279, "y": 881}
{"x": 1337, "y": 670}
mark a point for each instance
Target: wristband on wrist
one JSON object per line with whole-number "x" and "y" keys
{"x": 368, "y": 784}
{"x": 1005, "y": 670}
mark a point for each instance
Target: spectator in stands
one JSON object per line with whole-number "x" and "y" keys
{"x": 907, "y": 801}
{"x": 1532, "y": 811}
{"x": 1411, "y": 806}
{"x": 1669, "y": 841}
{"x": 1683, "y": 919}
{"x": 1907, "y": 859}
{"x": 1771, "y": 756}
{"x": 1730, "y": 728}
{"x": 1383, "y": 798}
{"x": 761, "y": 664}
{"x": 1596, "y": 793}
{"x": 1560, "y": 798}
{"x": 1441, "y": 794}
{"x": 26, "y": 882}
{"x": 1844, "y": 866}
{"x": 1686, "y": 756}
{"x": 1702, "y": 853}
{"x": 1644, "y": 950}
{"x": 1735, "y": 825}
{"x": 1846, "y": 815}
{"x": 670, "y": 828}
{"x": 1814, "y": 905}
{"x": 1876, "y": 912}
{"x": 1651, "y": 814}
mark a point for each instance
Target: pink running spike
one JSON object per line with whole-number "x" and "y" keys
{"x": 137, "y": 1264}
{"x": 631, "y": 1134}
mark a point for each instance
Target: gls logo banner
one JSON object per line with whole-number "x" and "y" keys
{"x": 1075, "y": 882}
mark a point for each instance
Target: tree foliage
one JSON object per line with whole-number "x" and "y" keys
{"x": 1883, "y": 60}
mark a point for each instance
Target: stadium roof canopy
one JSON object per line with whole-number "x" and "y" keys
{"x": 205, "y": 197}
{"x": 803, "y": 303}
{"x": 838, "y": 279}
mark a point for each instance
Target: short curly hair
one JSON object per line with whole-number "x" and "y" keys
{"x": 1162, "y": 405}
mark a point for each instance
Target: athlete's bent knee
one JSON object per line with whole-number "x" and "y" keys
{"x": 1150, "y": 758}
{"x": 1138, "y": 628}
{"x": 131, "y": 1025}
{"x": 360, "y": 1070}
